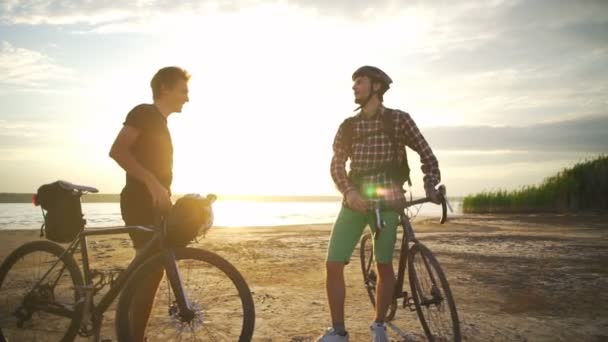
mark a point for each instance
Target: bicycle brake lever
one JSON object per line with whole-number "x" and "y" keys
{"x": 442, "y": 191}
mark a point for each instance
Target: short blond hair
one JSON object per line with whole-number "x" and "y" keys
{"x": 168, "y": 77}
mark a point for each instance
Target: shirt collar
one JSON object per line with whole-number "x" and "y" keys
{"x": 379, "y": 112}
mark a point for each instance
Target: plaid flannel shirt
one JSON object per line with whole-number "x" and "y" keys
{"x": 376, "y": 149}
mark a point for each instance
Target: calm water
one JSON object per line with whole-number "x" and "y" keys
{"x": 227, "y": 213}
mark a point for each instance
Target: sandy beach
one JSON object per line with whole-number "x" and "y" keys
{"x": 514, "y": 278}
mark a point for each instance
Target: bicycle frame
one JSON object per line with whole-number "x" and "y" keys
{"x": 426, "y": 279}
{"x": 408, "y": 236}
{"x": 155, "y": 245}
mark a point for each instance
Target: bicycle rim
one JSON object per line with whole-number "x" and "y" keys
{"x": 218, "y": 294}
{"x": 432, "y": 296}
{"x": 27, "y": 299}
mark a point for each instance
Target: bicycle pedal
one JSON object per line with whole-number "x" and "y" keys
{"x": 409, "y": 303}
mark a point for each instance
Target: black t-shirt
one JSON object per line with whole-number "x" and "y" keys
{"x": 153, "y": 148}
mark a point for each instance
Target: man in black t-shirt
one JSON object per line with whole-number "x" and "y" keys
{"x": 144, "y": 150}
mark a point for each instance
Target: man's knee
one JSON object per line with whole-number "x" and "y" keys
{"x": 385, "y": 269}
{"x": 334, "y": 267}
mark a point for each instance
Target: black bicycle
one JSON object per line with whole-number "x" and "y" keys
{"x": 430, "y": 294}
{"x": 45, "y": 296}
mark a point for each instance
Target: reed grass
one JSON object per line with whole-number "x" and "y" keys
{"x": 583, "y": 187}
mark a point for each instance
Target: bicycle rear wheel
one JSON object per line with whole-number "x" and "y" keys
{"x": 34, "y": 305}
{"x": 219, "y": 295}
{"x": 432, "y": 296}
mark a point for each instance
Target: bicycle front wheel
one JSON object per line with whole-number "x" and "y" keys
{"x": 432, "y": 296}
{"x": 215, "y": 290}
{"x": 39, "y": 296}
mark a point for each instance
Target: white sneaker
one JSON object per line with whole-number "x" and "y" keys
{"x": 378, "y": 332}
{"x": 331, "y": 336}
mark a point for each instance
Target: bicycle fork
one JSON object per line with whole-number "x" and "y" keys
{"x": 186, "y": 314}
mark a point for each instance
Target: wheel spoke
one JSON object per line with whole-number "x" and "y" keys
{"x": 39, "y": 294}
{"x": 432, "y": 296}
{"x": 223, "y": 308}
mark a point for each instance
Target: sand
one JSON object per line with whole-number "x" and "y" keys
{"x": 514, "y": 278}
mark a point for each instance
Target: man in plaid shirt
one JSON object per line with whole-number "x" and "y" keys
{"x": 364, "y": 139}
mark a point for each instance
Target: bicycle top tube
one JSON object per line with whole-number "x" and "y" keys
{"x": 383, "y": 205}
{"x": 92, "y": 231}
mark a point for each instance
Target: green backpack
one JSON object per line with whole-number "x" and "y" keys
{"x": 398, "y": 170}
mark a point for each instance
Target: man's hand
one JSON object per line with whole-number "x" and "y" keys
{"x": 356, "y": 202}
{"x": 160, "y": 196}
{"x": 433, "y": 194}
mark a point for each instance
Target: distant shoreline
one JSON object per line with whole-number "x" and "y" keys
{"x": 115, "y": 198}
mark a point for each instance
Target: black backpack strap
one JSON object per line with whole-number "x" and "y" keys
{"x": 388, "y": 119}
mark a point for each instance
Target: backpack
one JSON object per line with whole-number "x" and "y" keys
{"x": 63, "y": 219}
{"x": 398, "y": 170}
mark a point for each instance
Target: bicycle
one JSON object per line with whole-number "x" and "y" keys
{"x": 49, "y": 298}
{"x": 431, "y": 296}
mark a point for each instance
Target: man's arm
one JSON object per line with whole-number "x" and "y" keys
{"x": 121, "y": 153}
{"x": 338, "y": 163}
{"x": 338, "y": 174}
{"x": 415, "y": 140}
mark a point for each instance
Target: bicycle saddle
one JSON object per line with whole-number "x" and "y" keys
{"x": 70, "y": 186}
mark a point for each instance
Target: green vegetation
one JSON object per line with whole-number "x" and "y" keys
{"x": 8, "y": 197}
{"x": 581, "y": 188}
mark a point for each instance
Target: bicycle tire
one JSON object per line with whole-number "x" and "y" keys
{"x": 210, "y": 266}
{"x": 14, "y": 290}
{"x": 366, "y": 256}
{"x": 431, "y": 290}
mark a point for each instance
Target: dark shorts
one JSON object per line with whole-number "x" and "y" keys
{"x": 137, "y": 210}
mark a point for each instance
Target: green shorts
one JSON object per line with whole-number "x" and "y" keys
{"x": 348, "y": 229}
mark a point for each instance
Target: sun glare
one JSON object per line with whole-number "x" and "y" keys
{"x": 270, "y": 85}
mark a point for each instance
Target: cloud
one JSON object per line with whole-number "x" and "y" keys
{"x": 28, "y": 69}
{"x": 106, "y": 12}
{"x": 66, "y": 12}
{"x": 16, "y": 134}
{"x": 588, "y": 134}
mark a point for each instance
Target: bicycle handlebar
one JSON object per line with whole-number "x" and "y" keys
{"x": 445, "y": 205}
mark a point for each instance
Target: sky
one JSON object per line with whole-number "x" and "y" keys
{"x": 506, "y": 92}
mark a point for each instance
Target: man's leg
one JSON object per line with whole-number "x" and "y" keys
{"x": 344, "y": 236}
{"x": 383, "y": 251}
{"x": 385, "y": 289}
{"x": 143, "y": 303}
{"x": 138, "y": 213}
{"x": 336, "y": 292}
